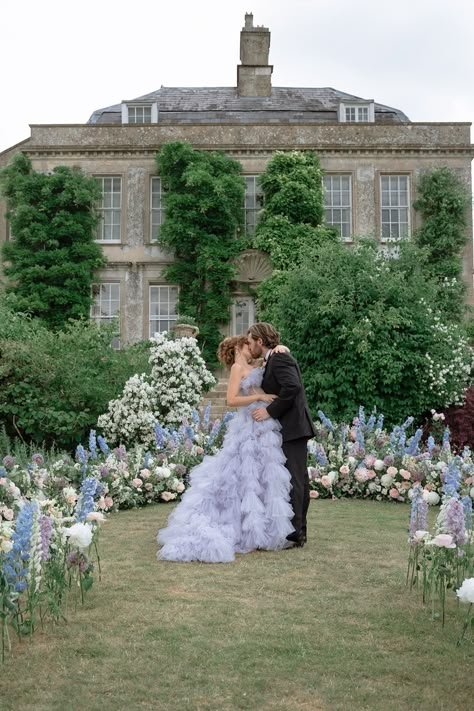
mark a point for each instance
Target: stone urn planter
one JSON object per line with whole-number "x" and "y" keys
{"x": 185, "y": 330}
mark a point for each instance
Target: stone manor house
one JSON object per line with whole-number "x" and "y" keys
{"x": 372, "y": 156}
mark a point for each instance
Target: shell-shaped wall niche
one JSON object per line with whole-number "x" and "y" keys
{"x": 253, "y": 266}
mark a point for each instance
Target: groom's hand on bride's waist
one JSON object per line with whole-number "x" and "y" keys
{"x": 260, "y": 414}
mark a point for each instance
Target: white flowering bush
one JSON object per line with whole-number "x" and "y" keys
{"x": 450, "y": 363}
{"x": 168, "y": 395}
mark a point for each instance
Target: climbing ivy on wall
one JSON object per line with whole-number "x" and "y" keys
{"x": 203, "y": 200}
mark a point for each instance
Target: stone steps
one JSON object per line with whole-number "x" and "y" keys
{"x": 217, "y": 398}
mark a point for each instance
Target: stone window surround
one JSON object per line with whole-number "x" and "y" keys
{"x": 150, "y": 281}
{"x": 102, "y": 280}
{"x": 378, "y": 202}
{"x": 123, "y": 209}
{"x": 352, "y": 176}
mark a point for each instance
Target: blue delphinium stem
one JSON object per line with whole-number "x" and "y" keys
{"x": 104, "y": 447}
{"x": 85, "y": 503}
{"x": 92, "y": 444}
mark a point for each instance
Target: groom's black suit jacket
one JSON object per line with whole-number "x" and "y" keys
{"x": 282, "y": 377}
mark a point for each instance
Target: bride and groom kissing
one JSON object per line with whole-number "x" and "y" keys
{"x": 254, "y": 493}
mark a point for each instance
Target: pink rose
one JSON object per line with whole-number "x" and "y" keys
{"x": 361, "y": 475}
{"x": 145, "y": 473}
{"x": 371, "y": 474}
{"x": 392, "y": 471}
{"x": 344, "y": 469}
{"x": 370, "y": 460}
{"x": 393, "y": 493}
{"x": 167, "y": 496}
{"x": 199, "y": 450}
{"x": 326, "y": 481}
{"x": 180, "y": 487}
{"x": 137, "y": 483}
{"x": 444, "y": 540}
{"x": 101, "y": 503}
{"x": 148, "y": 486}
{"x": 8, "y": 514}
{"x": 405, "y": 474}
{"x": 314, "y": 494}
{"x": 3, "y": 481}
{"x": 109, "y": 502}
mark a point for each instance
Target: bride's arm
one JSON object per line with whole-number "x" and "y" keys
{"x": 233, "y": 397}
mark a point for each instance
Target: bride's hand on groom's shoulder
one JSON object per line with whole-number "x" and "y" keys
{"x": 281, "y": 349}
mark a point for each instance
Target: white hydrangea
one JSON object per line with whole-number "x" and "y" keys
{"x": 178, "y": 378}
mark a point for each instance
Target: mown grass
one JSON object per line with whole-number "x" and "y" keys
{"x": 327, "y": 627}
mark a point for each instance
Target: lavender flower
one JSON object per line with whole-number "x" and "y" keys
{"x": 37, "y": 459}
{"x": 326, "y": 421}
{"x": 159, "y": 436}
{"x": 452, "y": 478}
{"x": 85, "y": 503}
{"x": 46, "y": 529}
{"x": 430, "y": 444}
{"x": 413, "y": 443}
{"x": 207, "y": 414}
{"x": 361, "y": 416}
{"x": 446, "y": 438}
{"x": 195, "y": 416}
{"x": 418, "y": 512}
{"x": 455, "y": 524}
{"x": 379, "y": 424}
{"x": 104, "y": 447}
{"x": 81, "y": 454}
{"x": 467, "y": 506}
{"x": 8, "y": 461}
{"x": 93, "y": 444}
{"x": 371, "y": 423}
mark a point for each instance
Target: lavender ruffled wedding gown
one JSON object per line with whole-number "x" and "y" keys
{"x": 238, "y": 499}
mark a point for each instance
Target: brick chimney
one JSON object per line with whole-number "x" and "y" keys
{"x": 254, "y": 74}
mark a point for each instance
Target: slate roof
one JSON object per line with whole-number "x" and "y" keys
{"x": 224, "y": 105}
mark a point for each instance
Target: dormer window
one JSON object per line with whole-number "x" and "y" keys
{"x": 357, "y": 112}
{"x": 139, "y": 113}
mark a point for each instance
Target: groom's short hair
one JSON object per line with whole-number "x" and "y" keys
{"x": 268, "y": 333}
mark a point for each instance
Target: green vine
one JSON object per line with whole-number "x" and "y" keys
{"x": 203, "y": 198}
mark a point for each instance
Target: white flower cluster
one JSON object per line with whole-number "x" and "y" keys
{"x": 450, "y": 367}
{"x": 175, "y": 386}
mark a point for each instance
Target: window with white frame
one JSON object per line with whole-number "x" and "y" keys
{"x": 243, "y": 315}
{"x": 106, "y": 306}
{"x": 253, "y": 203}
{"x": 139, "y": 114}
{"x": 163, "y": 304}
{"x": 110, "y": 209}
{"x": 357, "y": 113}
{"x": 157, "y": 210}
{"x": 394, "y": 207}
{"x": 338, "y": 203}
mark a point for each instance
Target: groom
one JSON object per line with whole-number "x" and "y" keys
{"x": 282, "y": 377}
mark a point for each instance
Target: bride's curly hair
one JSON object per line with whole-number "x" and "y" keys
{"x": 226, "y": 349}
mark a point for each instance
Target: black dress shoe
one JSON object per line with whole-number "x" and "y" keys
{"x": 296, "y": 541}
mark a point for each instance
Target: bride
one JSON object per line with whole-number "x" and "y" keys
{"x": 238, "y": 499}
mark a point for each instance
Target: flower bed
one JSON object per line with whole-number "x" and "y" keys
{"x": 364, "y": 460}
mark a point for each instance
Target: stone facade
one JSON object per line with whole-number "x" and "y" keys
{"x": 249, "y": 123}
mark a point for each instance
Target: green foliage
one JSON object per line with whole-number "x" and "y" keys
{"x": 53, "y": 386}
{"x": 51, "y": 260}
{"x": 361, "y": 325}
{"x": 443, "y": 201}
{"x": 203, "y": 202}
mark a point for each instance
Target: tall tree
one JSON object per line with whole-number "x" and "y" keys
{"x": 51, "y": 258}
{"x": 204, "y": 194}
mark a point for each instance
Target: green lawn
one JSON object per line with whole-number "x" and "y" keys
{"x": 330, "y": 626}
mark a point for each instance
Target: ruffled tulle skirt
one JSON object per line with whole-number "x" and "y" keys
{"x": 238, "y": 500}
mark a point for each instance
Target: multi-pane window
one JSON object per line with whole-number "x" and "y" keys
{"x": 395, "y": 212}
{"x": 157, "y": 211}
{"x": 106, "y": 306}
{"x": 110, "y": 209}
{"x": 163, "y": 301}
{"x": 253, "y": 203}
{"x": 139, "y": 114}
{"x": 243, "y": 315}
{"x": 338, "y": 203}
{"x": 357, "y": 113}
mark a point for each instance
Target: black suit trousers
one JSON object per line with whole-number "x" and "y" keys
{"x": 296, "y": 453}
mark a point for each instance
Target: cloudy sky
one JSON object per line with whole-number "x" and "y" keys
{"x": 60, "y": 61}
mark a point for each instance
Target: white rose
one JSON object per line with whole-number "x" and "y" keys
{"x": 378, "y": 465}
{"x": 431, "y": 498}
{"x": 471, "y": 493}
{"x": 80, "y": 535}
{"x": 386, "y": 480}
{"x": 466, "y": 591}
{"x": 352, "y": 461}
